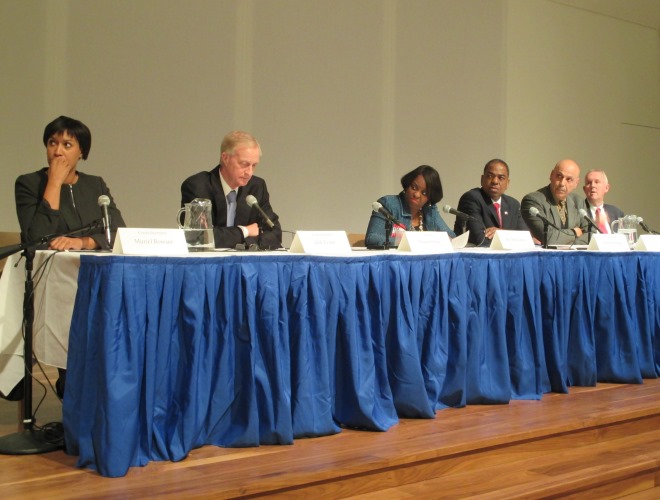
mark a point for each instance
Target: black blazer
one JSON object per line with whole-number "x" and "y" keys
{"x": 207, "y": 185}
{"x": 479, "y": 205}
{"x": 78, "y": 207}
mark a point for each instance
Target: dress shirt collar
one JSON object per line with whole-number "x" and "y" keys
{"x": 592, "y": 209}
{"x": 225, "y": 187}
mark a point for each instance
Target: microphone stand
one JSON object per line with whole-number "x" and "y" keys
{"x": 545, "y": 234}
{"x": 388, "y": 231}
{"x": 30, "y": 441}
{"x": 647, "y": 228}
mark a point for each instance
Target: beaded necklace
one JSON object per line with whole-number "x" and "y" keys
{"x": 421, "y": 222}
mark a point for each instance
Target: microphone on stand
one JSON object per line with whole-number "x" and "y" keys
{"x": 449, "y": 210}
{"x": 646, "y": 228}
{"x": 252, "y": 201}
{"x": 535, "y": 212}
{"x": 378, "y": 207}
{"x": 583, "y": 213}
{"x": 104, "y": 202}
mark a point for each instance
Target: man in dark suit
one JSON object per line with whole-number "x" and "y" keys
{"x": 490, "y": 206}
{"x": 595, "y": 187}
{"x": 227, "y": 186}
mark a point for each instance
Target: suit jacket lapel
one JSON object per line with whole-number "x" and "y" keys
{"x": 504, "y": 210}
{"x": 219, "y": 198}
{"x": 555, "y": 215}
{"x": 242, "y": 208}
{"x": 491, "y": 213}
{"x": 571, "y": 210}
{"x": 610, "y": 216}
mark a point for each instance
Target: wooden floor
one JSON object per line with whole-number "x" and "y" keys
{"x": 601, "y": 442}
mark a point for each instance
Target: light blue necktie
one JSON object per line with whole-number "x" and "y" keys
{"x": 231, "y": 208}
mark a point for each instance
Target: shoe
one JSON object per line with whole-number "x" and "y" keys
{"x": 61, "y": 383}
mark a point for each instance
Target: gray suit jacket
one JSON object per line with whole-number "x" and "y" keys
{"x": 544, "y": 202}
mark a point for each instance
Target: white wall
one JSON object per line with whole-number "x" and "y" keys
{"x": 585, "y": 86}
{"x": 345, "y": 97}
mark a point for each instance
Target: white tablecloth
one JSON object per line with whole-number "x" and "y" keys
{"x": 55, "y": 277}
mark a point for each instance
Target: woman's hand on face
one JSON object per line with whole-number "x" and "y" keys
{"x": 65, "y": 243}
{"x": 59, "y": 170}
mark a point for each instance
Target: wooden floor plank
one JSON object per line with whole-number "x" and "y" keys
{"x": 458, "y": 447}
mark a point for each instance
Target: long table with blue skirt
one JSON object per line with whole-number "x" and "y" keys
{"x": 170, "y": 354}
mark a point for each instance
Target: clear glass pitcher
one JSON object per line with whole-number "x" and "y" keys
{"x": 197, "y": 224}
{"x": 628, "y": 227}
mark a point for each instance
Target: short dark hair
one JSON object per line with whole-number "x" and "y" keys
{"x": 432, "y": 179}
{"x": 74, "y": 128}
{"x": 494, "y": 162}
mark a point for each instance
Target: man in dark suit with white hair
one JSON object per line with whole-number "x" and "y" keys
{"x": 228, "y": 185}
{"x": 595, "y": 187}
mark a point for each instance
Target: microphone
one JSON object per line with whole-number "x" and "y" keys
{"x": 378, "y": 207}
{"x": 646, "y": 228}
{"x": 252, "y": 201}
{"x": 448, "y": 210}
{"x": 535, "y": 212}
{"x": 583, "y": 213}
{"x": 103, "y": 202}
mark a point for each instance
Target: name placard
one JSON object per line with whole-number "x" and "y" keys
{"x": 507, "y": 239}
{"x": 321, "y": 243}
{"x": 426, "y": 242}
{"x": 609, "y": 243}
{"x": 141, "y": 241}
{"x": 648, "y": 243}
{"x": 461, "y": 240}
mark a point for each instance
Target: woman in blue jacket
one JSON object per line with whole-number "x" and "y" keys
{"x": 414, "y": 207}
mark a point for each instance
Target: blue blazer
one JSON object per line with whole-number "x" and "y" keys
{"x": 398, "y": 207}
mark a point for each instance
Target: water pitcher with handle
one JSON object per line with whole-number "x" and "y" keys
{"x": 197, "y": 224}
{"x": 627, "y": 226}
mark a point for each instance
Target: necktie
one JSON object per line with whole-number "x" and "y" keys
{"x": 601, "y": 221}
{"x": 231, "y": 208}
{"x": 561, "y": 208}
{"x": 499, "y": 214}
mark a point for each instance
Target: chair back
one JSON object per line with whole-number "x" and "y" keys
{"x": 356, "y": 239}
{"x": 6, "y": 239}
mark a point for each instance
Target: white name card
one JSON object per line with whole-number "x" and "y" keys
{"x": 609, "y": 243}
{"x": 321, "y": 243}
{"x": 461, "y": 240}
{"x": 425, "y": 242}
{"x": 648, "y": 243}
{"x": 507, "y": 239}
{"x": 137, "y": 241}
